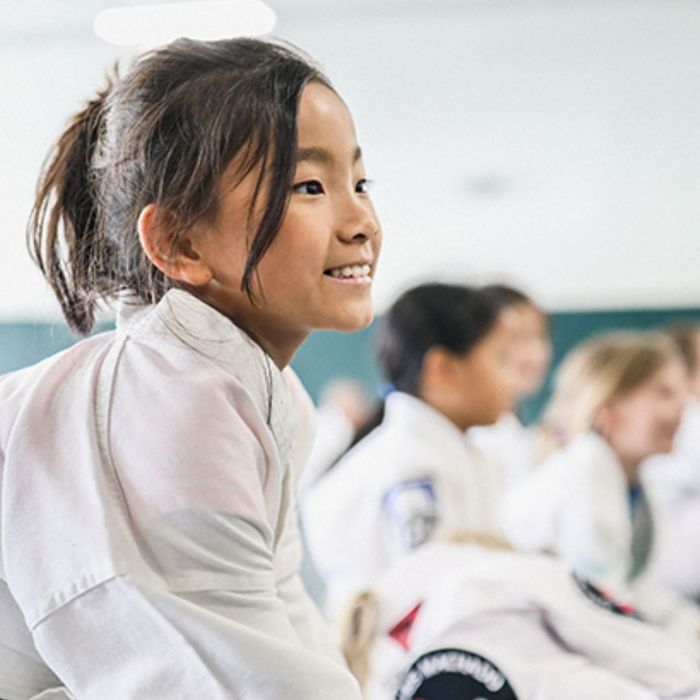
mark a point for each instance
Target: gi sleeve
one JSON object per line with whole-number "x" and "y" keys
{"x": 305, "y": 617}
{"x": 587, "y": 619}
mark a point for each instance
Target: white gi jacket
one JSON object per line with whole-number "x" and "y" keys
{"x": 674, "y": 482}
{"x": 527, "y": 622}
{"x": 413, "y": 478}
{"x": 577, "y": 505}
{"x": 148, "y": 533}
{"x": 510, "y": 442}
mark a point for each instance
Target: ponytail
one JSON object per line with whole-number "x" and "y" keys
{"x": 63, "y": 227}
{"x": 486, "y": 540}
{"x": 358, "y": 630}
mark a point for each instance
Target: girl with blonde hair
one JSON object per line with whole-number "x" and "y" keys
{"x": 601, "y": 371}
{"x": 618, "y": 399}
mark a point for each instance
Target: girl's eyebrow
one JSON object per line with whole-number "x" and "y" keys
{"x": 322, "y": 156}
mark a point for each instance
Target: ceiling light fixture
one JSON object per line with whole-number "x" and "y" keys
{"x": 153, "y": 25}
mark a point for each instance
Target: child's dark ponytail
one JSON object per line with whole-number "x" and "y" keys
{"x": 62, "y": 230}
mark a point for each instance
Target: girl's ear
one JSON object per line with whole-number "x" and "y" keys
{"x": 603, "y": 420}
{"x": 176, "y": 258}
{"x": 436, "y": 369}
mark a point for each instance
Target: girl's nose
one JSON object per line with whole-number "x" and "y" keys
{"x": 359, "y": 223}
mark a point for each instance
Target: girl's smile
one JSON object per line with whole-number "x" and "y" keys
{"x": 352, "y": 273}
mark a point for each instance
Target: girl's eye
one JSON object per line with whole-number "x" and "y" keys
{"x": 311, "y": 187}
{"x": 363, "y": 186}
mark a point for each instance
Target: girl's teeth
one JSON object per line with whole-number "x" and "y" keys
{"x": 351, "y": 271}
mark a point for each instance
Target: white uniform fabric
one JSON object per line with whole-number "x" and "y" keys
{"x": 674, "y": 482}
{"x": 148, "y": 530}
{"x": 527, "y": 615}
{"x": 510, "y": 442}
{"x": 577, "y": 505}
{"x": 334, "y": 433}
{"x": 413, "y": 478}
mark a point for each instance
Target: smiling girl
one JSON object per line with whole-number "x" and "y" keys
{"x": 149, "y": 544}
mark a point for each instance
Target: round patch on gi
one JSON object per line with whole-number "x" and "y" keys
{"x": 454, "y": 674}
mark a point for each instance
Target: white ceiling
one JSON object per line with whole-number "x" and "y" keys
{"x": 553, "y": 143}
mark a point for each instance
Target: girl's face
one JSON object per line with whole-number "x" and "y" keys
{"x": 475, "y": 388}
{"x": 532, "y": 347}
{"x": 644, "y": 421}
{"x": 318, "y": 271}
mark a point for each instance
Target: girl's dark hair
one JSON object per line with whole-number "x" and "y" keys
{"x": 164, "y": 134}
{"x": 504, "y": 296}
{"x": 453, "y": 317}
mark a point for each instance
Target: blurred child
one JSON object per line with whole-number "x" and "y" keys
{"x": 618, "y": 399}
{"x": 457, "y": 620}
{"x": 446, "y": 353}
{"x": 508, "y": 439}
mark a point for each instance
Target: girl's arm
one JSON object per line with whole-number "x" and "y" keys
{"x": 307, "y": 621}
{"x": 124, "y": 640}
{"x": 303, "y": 613}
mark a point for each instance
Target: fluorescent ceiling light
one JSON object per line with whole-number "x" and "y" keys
{"x": 153, "y": 25}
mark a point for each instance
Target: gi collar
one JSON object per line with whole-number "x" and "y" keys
{"x": 181, "y": 318}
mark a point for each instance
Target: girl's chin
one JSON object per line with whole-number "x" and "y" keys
{"x": 663, "y": 448}
{"x": 352, "y": 322}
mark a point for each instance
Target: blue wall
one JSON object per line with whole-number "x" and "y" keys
{"x": 23, "y": 344}
{"x": 327, "y": 355}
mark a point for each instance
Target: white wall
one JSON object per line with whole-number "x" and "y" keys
{"x": 555, "y": 143}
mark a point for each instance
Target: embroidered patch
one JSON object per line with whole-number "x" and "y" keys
{"x": 454, "y": 674}
{"x": 603, "y": 599}
{"x": 412, "y": 510}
